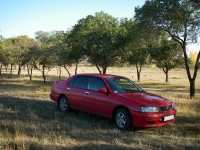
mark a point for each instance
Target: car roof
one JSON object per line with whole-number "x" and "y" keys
{"x": 98, "y": 75}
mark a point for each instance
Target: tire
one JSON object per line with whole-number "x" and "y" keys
{"x": 63, "y": 104}
{"x": 123, "y": 119}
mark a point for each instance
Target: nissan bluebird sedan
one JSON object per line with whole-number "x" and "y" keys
{"x": 114, "y": 97}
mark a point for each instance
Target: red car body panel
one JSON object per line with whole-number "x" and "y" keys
{"x": 104, "y": 104}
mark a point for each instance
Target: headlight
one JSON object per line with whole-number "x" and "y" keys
{"x": 149, "y": 109}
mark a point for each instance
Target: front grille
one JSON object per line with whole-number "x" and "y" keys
{"x": 165, "y": 108}
{"x": 150, "y": 122}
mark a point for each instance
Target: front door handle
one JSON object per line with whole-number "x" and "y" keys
{"x": 68, "y": 89}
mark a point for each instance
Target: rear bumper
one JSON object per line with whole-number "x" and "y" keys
{"x": 149, "y": 120}
{"x": 54, "y": 97}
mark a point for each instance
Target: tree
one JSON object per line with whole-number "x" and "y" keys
{"x": 32, "y": 60}
{"x": 76, "y": 43}
{"x": 21, "y": 46}
{"x": 167, "y": 55}
{"x": 137, "y": 45}
{"x": 180, "y": 19}
{"x": 5, "y": 52}
{"x": 62, "y": 51}
{"x": 104, "y": 40}
{"x": 98, "y": 38}
{"x": 45, "y": 53}
{"x": 138, "y": 57}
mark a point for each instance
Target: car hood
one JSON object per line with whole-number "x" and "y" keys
{"x": 147, "y": 99}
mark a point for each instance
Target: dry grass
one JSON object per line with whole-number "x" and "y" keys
{"x": 30, "y": 120}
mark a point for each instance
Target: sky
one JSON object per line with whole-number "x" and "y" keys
{"x": 25, "y": 17}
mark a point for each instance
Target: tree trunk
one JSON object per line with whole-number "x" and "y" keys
{"x": 104, "y": 70}
{"x": 192, "y": 88}
{"x": 28, "y": 69}
{"x": 60, "y": 71}
{"x": 166, "y": 71}
{"x": 31, "y": 74}
{"x": 44, "y": 79}
{"x": 0, "y": 69}
{"x": 6, "y": 67}
{"x": 19, "y": 71}
{"x": 138, "y": 75}
{"x": 43, "y": 73}
{"x": 192, "y": 80}
{"x": 138, "y": 68}
{"x": 11, "y": 68}
{"x": 67, "y": 70}
{"x": 76, "y": 68}
{"x": 98, "y": 68}
{"x": 166, "y": 74}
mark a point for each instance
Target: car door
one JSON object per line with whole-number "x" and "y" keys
{"x": 75, "y": 92}
{"x": 95, "y": 101}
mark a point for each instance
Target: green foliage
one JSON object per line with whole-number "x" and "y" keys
{"x": 76, "y": 43}
{"x": 98, "y": 37}
{"x": 107, "y": 41}
{"x": 14, "y": 50}
{"x": 58, "y": 40}
{"x": 103, "y": 40}
{"x": 137, "y": 45}
{"x": 167, "y": 55}
{"x": 45, "y": 52}
{"x": 180, "y": 19}
{"x": 6, "y": 52}
{"x": 21, "y": 47}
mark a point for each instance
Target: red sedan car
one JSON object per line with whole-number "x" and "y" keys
{"x": 114, "y": 97}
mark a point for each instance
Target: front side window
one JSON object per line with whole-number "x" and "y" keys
{"x": 95, "y": 84}
{"x": 123, "y": 85}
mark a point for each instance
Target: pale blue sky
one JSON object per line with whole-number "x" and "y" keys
{"x": 25, "y": 17}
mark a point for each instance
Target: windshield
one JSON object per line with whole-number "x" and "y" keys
{"x": 123, "y": 85}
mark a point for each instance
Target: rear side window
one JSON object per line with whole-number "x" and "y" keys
{"x": 71, "y": 82}
{"x": 80, "y": 82}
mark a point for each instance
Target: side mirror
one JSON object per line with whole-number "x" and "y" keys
{"x": 103, "y": 90}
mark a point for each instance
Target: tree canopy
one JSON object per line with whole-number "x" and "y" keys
{"x": 106, "y": 41}
{"x": 180, "y": 19}
{"x": 100, "y": 38}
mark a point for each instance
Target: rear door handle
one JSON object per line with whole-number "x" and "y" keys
{"x": 68, "y": 89}
{"x": 87, "y": 93}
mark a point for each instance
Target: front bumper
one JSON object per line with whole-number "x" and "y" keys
{"x": 149, "y": 120}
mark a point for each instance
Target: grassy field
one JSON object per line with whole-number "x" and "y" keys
{"x": 29, "y": 120}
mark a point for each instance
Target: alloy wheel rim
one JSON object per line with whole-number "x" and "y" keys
{"x": 63, "y": 104}
{"x": 121, "y": 120}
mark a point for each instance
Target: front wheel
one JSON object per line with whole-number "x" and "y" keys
{"x": 63, "y": 104}
{"x": 123, "y": 119}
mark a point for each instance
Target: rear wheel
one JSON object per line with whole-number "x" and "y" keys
{"x": 63, "y": 104}
{"x": 123, "y": 119}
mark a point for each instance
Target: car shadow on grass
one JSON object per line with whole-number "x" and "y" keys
{"x": 23, "y": 108}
